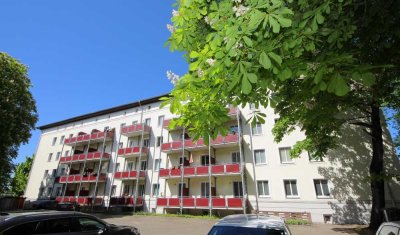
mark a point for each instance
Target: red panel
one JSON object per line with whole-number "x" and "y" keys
{"x": 71, "y": 178}
{"x": 233, "y": 168}
{"x": 217, "y": 169}
{"x": 234, "y": 202}
{"x": 97, "y": 154}
{"x": 189, "y": 144}
{"x": 125, "y": 174}
{"x": 93, "y": 136}
{"x": 86, "y": 137}
{"x": 175, "y": 172}
{"x": 102, "y": 177}
{"x": 166, "y": 123}
{"x": 139, "y": 201}
{"x": 128, "y": 151}
{"x": 68, "y": 159}
{"x": 90, "y": 156}
{"x": 231, "y": 138}
{"x": 162, "y": 201}
{"x": 164, "y": 172}
{"x": 218, "y": 202}
{"x": 188, "y": 202}
{"x": 63, "y": 179}
{"x": 174, "y": 202}
{"x": 129, "y": 201}
{"x": 200, "y": 142}
{"x": 142, "y": 174}
{"x": 166, "y": 146}
{"x": 106, "y": 155}
{"x": 72, "y": 199}
{"x": 62, "y": 159}
{"x": 218, "y": 140}
{"x": 80, "y": 138}
{"x": 132, "y": 174}
{"x": 77, "y": 178}
{"x": 202, "y": 170}
{"x": 75, "y": 158}
{"x": 100, "y": 135}
{"x": 202, "y": 202}
{"x": 82, "y": 157}
{"x": 188, "y": 171}
{"x": 121, "y": 151}
{"x": 66, "y": 141}
{"x": 59, "y": 199}
{"x": 147, "y": 128}
{"x": 92, "y": 178}
{"x": 177, "y": 145}
{"x": 81, "y": 200}
{"x": 118, "y": 175}
{"x": 145, "y": 150}
{"x": 124, "y": 130}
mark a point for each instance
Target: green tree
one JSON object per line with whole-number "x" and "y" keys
{"x": 17, "y": 113}
{"x": 21, "y": 174}
{"x": 320, "y": 64}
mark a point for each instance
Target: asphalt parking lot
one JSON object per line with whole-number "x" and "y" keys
{"x": 159, "y": 225}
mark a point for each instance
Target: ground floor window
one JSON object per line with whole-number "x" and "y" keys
{"x": 321, "y": 188}
{"x": 237, "y": 189}
{"x": 263, "y": 188}
{"x": 291, "y": 188}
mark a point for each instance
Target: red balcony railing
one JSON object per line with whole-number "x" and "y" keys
{"x": 220, "y": 141}
{"x": 232, "y": 111}
{"x": 135, "y": 129}
{"x": 93, "y": 156}
{"x": 85, "y": 201}
{"x": 192, "y": 171}
{"x": 128, "y": 174}
{"x": 126, "y": 201}
{"x": 94, "y": 137}
{"x": 132, "y": 152}
{"x": 201, "y": 202}
{"x": 78, "y": 178}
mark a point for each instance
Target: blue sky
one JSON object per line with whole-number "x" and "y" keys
{"x": 88, "y": 55}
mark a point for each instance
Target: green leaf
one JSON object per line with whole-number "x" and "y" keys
{"x": 284, "y": 21}
{"x": 193, "y": 66}
{"x": 275, "y": 57}
{"x": 252, "y": 77}
{"x": 285, "y": 74}
{"x": 248, "y": 41}
{"x": 264, "y": 60}
{"x": 274, "y": 24}
{"x": 341, "y": 87}
{"x": 246, "y": 85}
{"x": 194, "y": 54}
{"x": 320, "y": 18}
{"x": 368, "y": 79}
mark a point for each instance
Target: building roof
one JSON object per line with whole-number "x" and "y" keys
{"x": 103, "y": 112}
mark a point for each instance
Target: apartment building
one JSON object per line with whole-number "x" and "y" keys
{"x": 128, "y": 157}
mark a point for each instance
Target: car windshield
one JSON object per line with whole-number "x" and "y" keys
{"x": 225, "y": 230}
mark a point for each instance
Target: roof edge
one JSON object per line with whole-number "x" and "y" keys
{"x": 104, "y": 111}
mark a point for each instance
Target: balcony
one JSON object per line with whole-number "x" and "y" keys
{"x": 220, "y": 142}
{"x": 79, "y": 178}
{"x": 94, "y": 156}
{"x": 201, "y": 202}
{"x": 198, "y": 171}
{"x": 133, "y": 152}
{"x": 135, "y": 130}
{"x": 126, "y": 201}
{"x": 124, "y": 175}
{"x": 94, "y": 137}
{"x": 232, "y": 112}
{"x": 83, "y": 201}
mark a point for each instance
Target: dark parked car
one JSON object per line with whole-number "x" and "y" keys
{"x": 250, "y": 225}
{"x": 45, "y": 204}
{"x": 68, "y": 206}
{"x": 57, "y": 222}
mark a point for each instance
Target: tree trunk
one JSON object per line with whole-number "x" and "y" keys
{"x": 376, "y": 170}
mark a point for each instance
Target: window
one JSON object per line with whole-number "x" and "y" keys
{"x": 46, "y": 173}
{"x": 27, "y": 228}
{"x": 117, "y": 167}
{"x": 284, "y": 154}
{"x": 70, "y": 135}
{"x": 129, "y": 166}
{"x": 120, "y": 145}
{"x": 146, "y": 143}
{"x": 143, "y": 165}
{"x": 256, "y": 129}
{"x": 233, "y": 129}
{"x": 205, "y": 189}
{"x": 90, "y": 225}
{"x": 134, "y": 122}
{"x": 259, "y": 156}
{"x": 263, "y": 188}
{"x": 113, "y": 190}
{"x": 127, "y": 189}
{"x": 205, "y": 160}
{"x": 53, "y": 173}
{"x": 236, "y": 157}
{"x": 141, "y": 190}
{"x": 157, "y": 164}
{"x": 106, "y": 128}
{"x": 160, "y": 120}
{"x": 237, "y": 189}
{"x": 314, "y": 158}
{"x": 389, "y": 230}
{"x": 156, "y": 189}
{"x": 58, "y": 156}
{"x": 62, "y": 139}
{"x": 321, "y": 188}
{"x": 159, "y": 141}
{"x": 252, "y": 106}
{"x": 180, "y": 189}
{"x": 54, "y": 141}
{"x": 50, "y": 157}
{"x": 147, "y": 121}
{"x": 291, "y": 188}
{"x": 149, "y": 107}
{"x": 132, "y": 143}
{"x": 67, "y": 153}
{"x": 122, "y": 125}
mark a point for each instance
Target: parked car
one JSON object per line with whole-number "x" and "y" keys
{"x": 250, "y": 225}
{"x": 68, "y": 206}
{"x": 44, "y": 204}
{"x": 389, "y": 228}
{"x": 59, "y": 222}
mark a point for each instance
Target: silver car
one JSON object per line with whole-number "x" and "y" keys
{"x": 250, "y": 225}
{"x": 389, "y": 228}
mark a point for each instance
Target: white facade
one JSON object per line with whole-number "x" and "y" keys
{"x": 334, "y": 188}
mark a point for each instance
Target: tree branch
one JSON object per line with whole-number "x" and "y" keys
{"x": 361, "y": 124}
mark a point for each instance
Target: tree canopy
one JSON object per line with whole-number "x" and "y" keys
{"x": 18, "y": 113}
{"x": 320, "y": 64}
{"x": 21, "y": 174}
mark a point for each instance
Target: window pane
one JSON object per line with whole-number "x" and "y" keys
{"x": 260, "y": 156}
{"x": 260, "y": 188}
{"x": 90, "y": 225}
{"x": 284, "y": 154}
{"x": 317, "y": 187}
{"x": 325, "y": 188}
{"x": 294, "y": 188}
{"x": 287, "y": 188}
{"x": 28, "y": 228}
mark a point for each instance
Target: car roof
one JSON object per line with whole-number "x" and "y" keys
{"x": 392, "y": 223}
{"x": 9, "y": 219}
{"x": 252, "y": 221}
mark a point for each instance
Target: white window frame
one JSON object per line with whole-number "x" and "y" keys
{"x": 54, "y": 141}
{"x": 291, "y": 190}
{"x": 280, "y": 156}
{"x": 46, "y": 173}
{"x": 153, "y": 189}
{"x": 160, "y": 120}
{"x": 269, "y": 189}
{"x": 322, "y": 189}
{"x": 160, "y": 141}
{"x": 157, "y": 166}
{"x": 255, "y": 128}
{"x": 62, "y": 139}
{"x": 238, "y": 156}
{"x": 207, "y": 191}
{"x": 255, "y": 157}
{"x": 147, "y": 120}
{"x": 50, "y": 157}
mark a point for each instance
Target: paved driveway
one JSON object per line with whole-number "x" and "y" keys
{"x": 159, "y": 225}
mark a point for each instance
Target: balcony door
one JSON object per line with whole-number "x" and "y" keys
{"x": 205, "y": 160}
{"x": 180, "y": 189}
{"x": 205, "y": 189}
{"x": 237, "y": 189}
